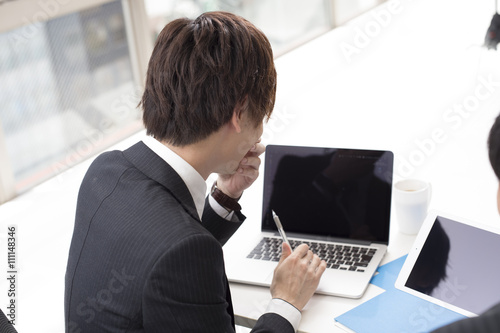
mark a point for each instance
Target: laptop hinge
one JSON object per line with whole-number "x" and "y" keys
{"x": 325, "y": 238}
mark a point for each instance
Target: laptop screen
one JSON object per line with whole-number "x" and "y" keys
{"x": 328, "y": 192}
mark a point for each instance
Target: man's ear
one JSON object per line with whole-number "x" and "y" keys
{"x": 236, "y": 120}
{"x": 238, "y": 114}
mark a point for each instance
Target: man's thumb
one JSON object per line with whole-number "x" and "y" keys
{"x": 286, "y": 250}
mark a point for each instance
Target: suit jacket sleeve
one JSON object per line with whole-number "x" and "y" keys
{"x": 195, "y": 299}
{"x": 221, "y": 228}
{"x": 488, "y": 322}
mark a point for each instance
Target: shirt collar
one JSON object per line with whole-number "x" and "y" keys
{"x": 193, "y": 180}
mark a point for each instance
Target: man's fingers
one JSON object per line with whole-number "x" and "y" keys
{"x": 297, "y": 275}
{"x": 250, "y": 173}
{"x": 258, "y": 149}
{"x": 309, "y": 256}
{"x": 315, "y": 261}
{"x": 286, "y": 251}
{"x": 251, "y": 161}
{"x": 301, "y": 251}
{"x": 321, "y": 268}
{"x": 249, "y": 165}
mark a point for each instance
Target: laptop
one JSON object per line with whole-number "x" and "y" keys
{"x": 454, "y": 263}
{"x": 338, "y": 201}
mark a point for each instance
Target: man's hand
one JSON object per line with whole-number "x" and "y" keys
{"x": 247, "y": 172}
{"x": 297, "y": 275}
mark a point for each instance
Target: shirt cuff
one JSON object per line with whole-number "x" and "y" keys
{"x": 286, "y": 310}
{"x": 221, "y": 211}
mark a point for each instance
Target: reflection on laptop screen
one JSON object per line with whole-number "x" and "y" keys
{"x": 343, "y": 193}
{"x": 458, "y": 264}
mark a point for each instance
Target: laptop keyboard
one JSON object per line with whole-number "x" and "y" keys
{"x": 336, "y": 256}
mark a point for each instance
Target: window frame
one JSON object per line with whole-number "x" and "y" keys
{"x": 19, "y": 13}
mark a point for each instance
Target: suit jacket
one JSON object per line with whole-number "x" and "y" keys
{"x": 141, "y": 260}
{"x": 488, "y": 322}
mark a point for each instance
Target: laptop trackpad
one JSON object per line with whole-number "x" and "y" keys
{"x": 269, "y": 278}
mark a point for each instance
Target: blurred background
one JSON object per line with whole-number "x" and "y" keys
{"x": 71, "y": 73}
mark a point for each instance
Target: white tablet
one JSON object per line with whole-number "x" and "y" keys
{"x": 454, "y": 263}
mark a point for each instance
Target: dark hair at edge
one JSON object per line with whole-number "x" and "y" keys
{"x": 200, "y": 70}
{"x": 494, "y": 146}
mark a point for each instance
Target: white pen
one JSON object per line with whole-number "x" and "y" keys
{"x": 280, "y": 228}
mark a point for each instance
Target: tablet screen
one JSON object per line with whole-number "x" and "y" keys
{"x": 458, "y": 264}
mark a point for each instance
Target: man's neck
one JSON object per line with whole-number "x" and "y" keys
{"x": 210, "y": 154}
{"x": 203, "y": 156}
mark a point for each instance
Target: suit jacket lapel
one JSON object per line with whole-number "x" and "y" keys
{"x": 157, "y": 169}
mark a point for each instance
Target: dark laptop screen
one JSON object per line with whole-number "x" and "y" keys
{"x": 329, "y": 192}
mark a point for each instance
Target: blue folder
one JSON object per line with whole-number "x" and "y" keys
{"x": 395, "y": 310}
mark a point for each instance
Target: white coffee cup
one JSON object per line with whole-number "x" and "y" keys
{"x": 411, "y": 199}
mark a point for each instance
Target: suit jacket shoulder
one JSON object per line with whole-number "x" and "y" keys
{"x": 132, "y": 207}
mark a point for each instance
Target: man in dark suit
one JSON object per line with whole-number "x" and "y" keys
{"x": 489, "y": 321}
{"x": 146, "y": 252}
